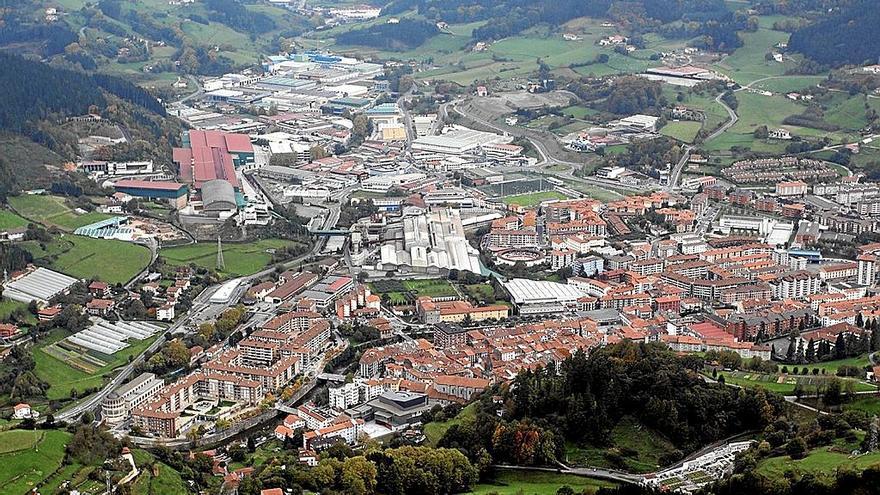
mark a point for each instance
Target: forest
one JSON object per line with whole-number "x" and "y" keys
{"x": 708, "y": 18}
{"x": 582, "y": 400}
{"x": 404, "y": 35}
{"x": 849, "y": 37}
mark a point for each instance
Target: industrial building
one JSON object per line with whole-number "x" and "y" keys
{"x": 458, "y": 141}
{"x": 430, "y": 243}
{"x": 537, "y": 296}
{"x": 40, "y": 285}
{"x": 173, "y": 193}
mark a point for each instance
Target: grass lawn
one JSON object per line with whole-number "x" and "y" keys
{"x": 832, "y": 366}
{"x": 22, "y": 469}
{"x": 52, "y": 211}
{"x": 84, "y": 257}
{"x": 682, "y": 130}
{"x": 627, "y": 435}
{"x": 430, "y": 287}
{"x": 13, "y": 440}
{"x": 7, "y": 306}
{"x": 62, "y": 377}
{"x": 9, "y": 220}
{"x": 435, "y": 430}
{"x": 784, "y": 384}
{"x": 822, "y": 462}
{"x": 870, "y": 405}
{"x": 480, "y": 292}
{"x": 533, "y": 199}
{"x": 240, "y": 259}
{"x": 537, "y": 483}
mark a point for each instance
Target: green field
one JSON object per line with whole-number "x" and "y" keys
{"x": 747, "y": 63}
{"x": 536, "y": 483}
{"x": 7, "y": 306}
{"x": 682, "y": 130}
{"x": 83, "y": 257}
{"x": 23, "y": 468}
{"x": 52, "y": 211}
{"x": 822, "y": 462}
{"x": 166, "y": 482}
{"x": 435, "y": 430}
{"x": 627, "y": 436}
{"x": 62, "y": 377}
{"x": 784, "y": 384}
{"x": 533, "y": 199}
{"x": 402, "y": 292}
{"x": 870, "y": 405}
{"x": 240, "y": 259}
{"x": 9, "y": 220}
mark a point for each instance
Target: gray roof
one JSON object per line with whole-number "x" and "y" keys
{"x": 218, "y": 194}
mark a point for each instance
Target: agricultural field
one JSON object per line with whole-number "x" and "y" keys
{"x": 537, "y": 483}
{"x": 533, "y": 199}
{"x": 870, "y": 405}
{"x": 27, "y": 461}
{"x": 240, "y": 259}
{"x": 66, "y": 370}
{"x": 747, "y": 63}
{"x": 634, "y": 447}
{"x": 83, "y": 257}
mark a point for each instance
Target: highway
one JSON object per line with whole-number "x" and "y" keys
{"x": 546, "y": 146}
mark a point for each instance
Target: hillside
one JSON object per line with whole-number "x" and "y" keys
{"x": 850, "y": 37}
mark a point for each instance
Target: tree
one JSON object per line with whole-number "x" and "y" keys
{"x": 792, "y": 348}
{"x": 811, "y": 351}
{"x": 840, "y": 346}
{"x": 796, "y": 448}
{"x": 875, "y": 339}
{"x": 860, "y": 320}
{"x": 358, "y": 476}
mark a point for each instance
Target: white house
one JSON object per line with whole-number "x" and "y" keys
{"x": 24, "y": 411}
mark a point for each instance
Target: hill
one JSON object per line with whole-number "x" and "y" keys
{"x": 849, "y": 37}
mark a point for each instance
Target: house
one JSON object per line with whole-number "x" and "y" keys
{"x": 8, "y": 330}
{"x": 165, "y": 312}
{"x": 24, "y": 411}
{"x": 99, "y": 289}
{"x": 49, "y": 313}
{"x": 780, "y": 133}
{"x": 99, "y": 307}
{"x": 272, "y": 491}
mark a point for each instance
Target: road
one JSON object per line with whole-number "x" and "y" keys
{"x": 675, "y": 174}
{"x": 94, "y": 401}
{"x": 733, "y": 119}
{"x": 546, "y": 145}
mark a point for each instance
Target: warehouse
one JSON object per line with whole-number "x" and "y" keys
{"x": 173, "y": 193}
{"x": 218, "y": 198}
{"x": 534, "y": 296}
{"x": 40, "y": 285}
{"x": 458, "y": 141}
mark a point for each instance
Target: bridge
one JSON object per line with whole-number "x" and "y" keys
{"x": 331, "y": 377}
{"x": 330, "y": 233}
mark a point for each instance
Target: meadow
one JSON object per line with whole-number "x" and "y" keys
{"x": 52, "y": 211}
{"x": 27, "y": 461}
{"x": 83, "y": 257}
{"x": 240, "y": 259}
{"x": 536, "y": 483}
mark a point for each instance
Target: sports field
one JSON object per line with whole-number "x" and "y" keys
{"x": 240, "y": 259}
{"x": 533, "y": 199}
{"x": 84, "y": 257}
{"x": 27, "y": 460}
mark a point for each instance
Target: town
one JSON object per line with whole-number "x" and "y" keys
{"x": 330, "y": 257}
